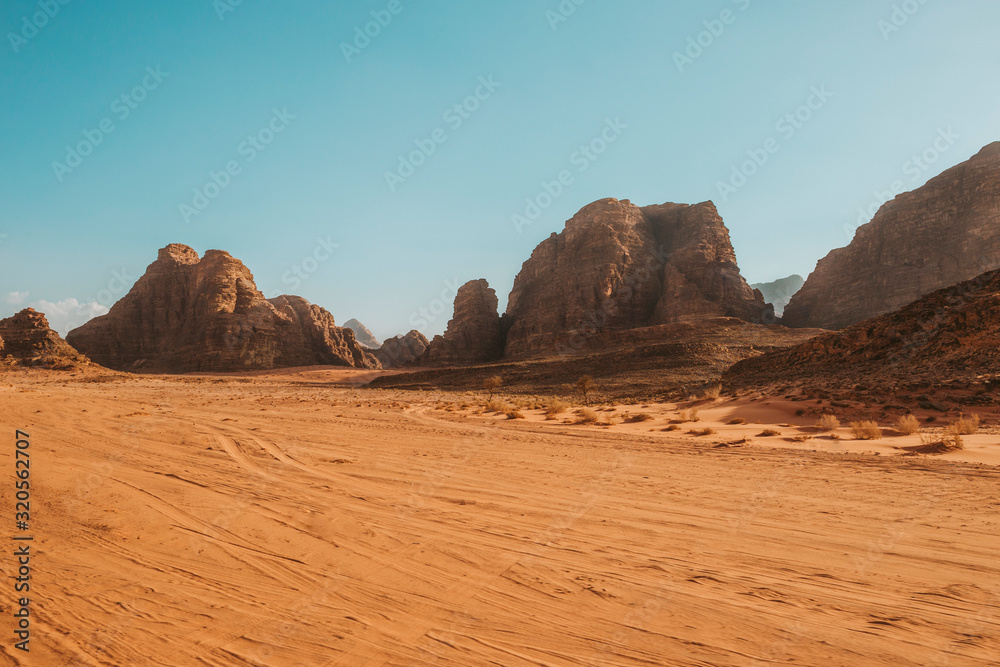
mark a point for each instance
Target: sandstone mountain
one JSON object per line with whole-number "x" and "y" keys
{"x": 363, "y": 335}
{"x": 402, "y": 350}
{"x": 780, "y": 292}
{"x": 189, "y": 314}
{"x": 27, "y": 339}
{"x": 474, "y": 334}
{"x": 950, "y": 335}
{"x": 617, "y": 267}
{"x": 938, "y": 235}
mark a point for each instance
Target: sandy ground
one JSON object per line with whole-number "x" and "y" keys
{"x": 293, "y": 519}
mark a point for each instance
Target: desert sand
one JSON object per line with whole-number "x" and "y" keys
{"x": 294, "y": 518}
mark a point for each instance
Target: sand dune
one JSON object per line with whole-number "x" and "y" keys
{"x": 292, "y": 519}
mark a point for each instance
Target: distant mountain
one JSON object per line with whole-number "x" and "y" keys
{"x": 938, "y": 235}
{"x": 780, "y": 292}
{"x": 27, "y": 339}
{"x": 363, "y": 335}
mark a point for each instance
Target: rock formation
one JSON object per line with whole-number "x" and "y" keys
{"x": 363, "y": 335}
{"x": 26, "y": 338}
{"x": 617, "y": 266}
{"x": 950, "y": 334}
{"x": 190, "y": 314}
{"x": 474, "y": 334}
{"x": 938, "y": 235}
{"x": 780, "y": 292}
{"x": 402, "y": 350}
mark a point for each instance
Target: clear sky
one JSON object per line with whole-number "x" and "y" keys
{"x": 153, "y": 98}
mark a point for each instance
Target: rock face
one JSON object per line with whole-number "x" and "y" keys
{"x": 780, "y": 292}
{"x": 938, "y": 235}
{"x": 617, "y": 266}
{"x": 363, "y": 335}
{"x": 402, "y": 350}
{"x": 474, "y": 334}
{"x": 27, "y": 339}
{"x": 190, "y": 314}
{"x": 952, "y": 334}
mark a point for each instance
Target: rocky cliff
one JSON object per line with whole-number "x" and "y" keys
{"x": 363, "y": 334}
{"x": 474, "y": 334}
{"x": 938, "y": 235}
{"x": 27, "y": 339}
{"x": 191, "y": 314}
{"x": 402, "y": 350}
{"x": 780, "y": 292}
{"x": 617, "y": 266}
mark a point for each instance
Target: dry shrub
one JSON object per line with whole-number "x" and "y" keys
{"x": 737, "y": 420}
{"x": 641, "y": 417}
{"x": 690, "y": 415}
{"x": 703, "y": 431}
{"x": 828, "y": 423}
{"x": 908, "y": 425}
{"x": 965, "y": 425}
{"x": 802, "y": 438}
{"x": 672, "y": 427}
{"x": 514, "y": 414}
{"x": 556, "y": 407}
{"x": 768, "y": 433}
{"x": 497, "y": 406}
{"x": 586, "y": 416}
{"x": 866, "y": 430}
{"x": 712, "y": 392}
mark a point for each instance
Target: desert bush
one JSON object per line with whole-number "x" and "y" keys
{"x": 690, "y": 415}
{"x": 586, "y": 416}
{"x": 702, "y": 431}
{"x": 712, "y": 391}
{"x": 585, "y": 385}
{"x": 494, "y": 405}
{"x": 768, "y": 433}
{"x": 491, "y": 385}
{"x": 672, "y": 427}
{"x": 802, "y": 438}
{"x": 828, "y": 423}
{"x": 556, "y": 407}
{"x": 737, "y": 420}
{"x": 641, "y": 417}
{"x": 965, "y": 425}
{"x": 514, "y": 414}
{"x": 866, "y": 430}
{"x": 908, "y": 425}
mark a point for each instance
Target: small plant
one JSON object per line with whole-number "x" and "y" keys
{"x": 556, "y": 407}
{"x": 802, "y": 438}
{"x": 586, "y": 416}
{"x": 494, "y": 405}
{"x": 515, "y": 414}
{"x": 866, "y": 430}
{"x": 712, "y": 392}
{"x": 702, "y": 431}
{"x": 800, "y": 412}
{"x": 965, "y": 425}
{"x": 828, "y": 423}
{"x": 690, "y": 415}
{"x": 768, "y": 433}
{"x": 585, "y": 385}
{"x": 641, "y": 417}
{"x": 737, "y": 420}
{"x": 672, "y": 427}
{"x": 491, "y": 385}
{"x": 908, "y": 425}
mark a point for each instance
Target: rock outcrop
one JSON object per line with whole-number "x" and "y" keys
{"x": 617, "y": 266}
{"x": 780, "y": 292}
{"x": 952, "y": 334}
{"x": 474, "y": 334}
{"x": 27, "y": 339}
{"x": 189, "y": 314}
{"x": 938, "y": 235}
{"x": 402, "y": 350}
{"x": 363, "y": 335}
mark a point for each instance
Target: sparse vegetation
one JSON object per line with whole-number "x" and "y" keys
{"x": 690, "y": 415}
{"x": 866, "y": 430}
{"x": 494, "y": 405}
{"x": 641, "y": 417}
{"x": 491, "y": 385}
{"x": 802, "y": 438}
{"x": 672, "y": 427}
{"x": 556, "y": 407}
{"x": 908, "y": 425}
{"x": 712, "y": 392}
{"x": 702, "y": 431}
{"x": 828, "y": 423}
{"x": 737, "y": 420}
{"x": 768, "y": 433}
{"x": 585, "y": 385}
{"x": 965, "y": 425}
{"x": 586, "y": 416}
{"x": 515, "y": 414}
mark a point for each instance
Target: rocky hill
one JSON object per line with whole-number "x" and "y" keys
{"x": 402, "y": 350}
{"x": 780, "y": 292}
{"x": 188, "y": 314}
{"x": 617, "y": 267}
{"x": 938, "y": 235}
{"x": 950, "y": 336}
{"x": 363, "y": 335}
{"x": 27, "y": 339}
{"x": 474, "y": 334}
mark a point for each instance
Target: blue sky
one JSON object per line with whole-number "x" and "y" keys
{"x": 207, "y": 89}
